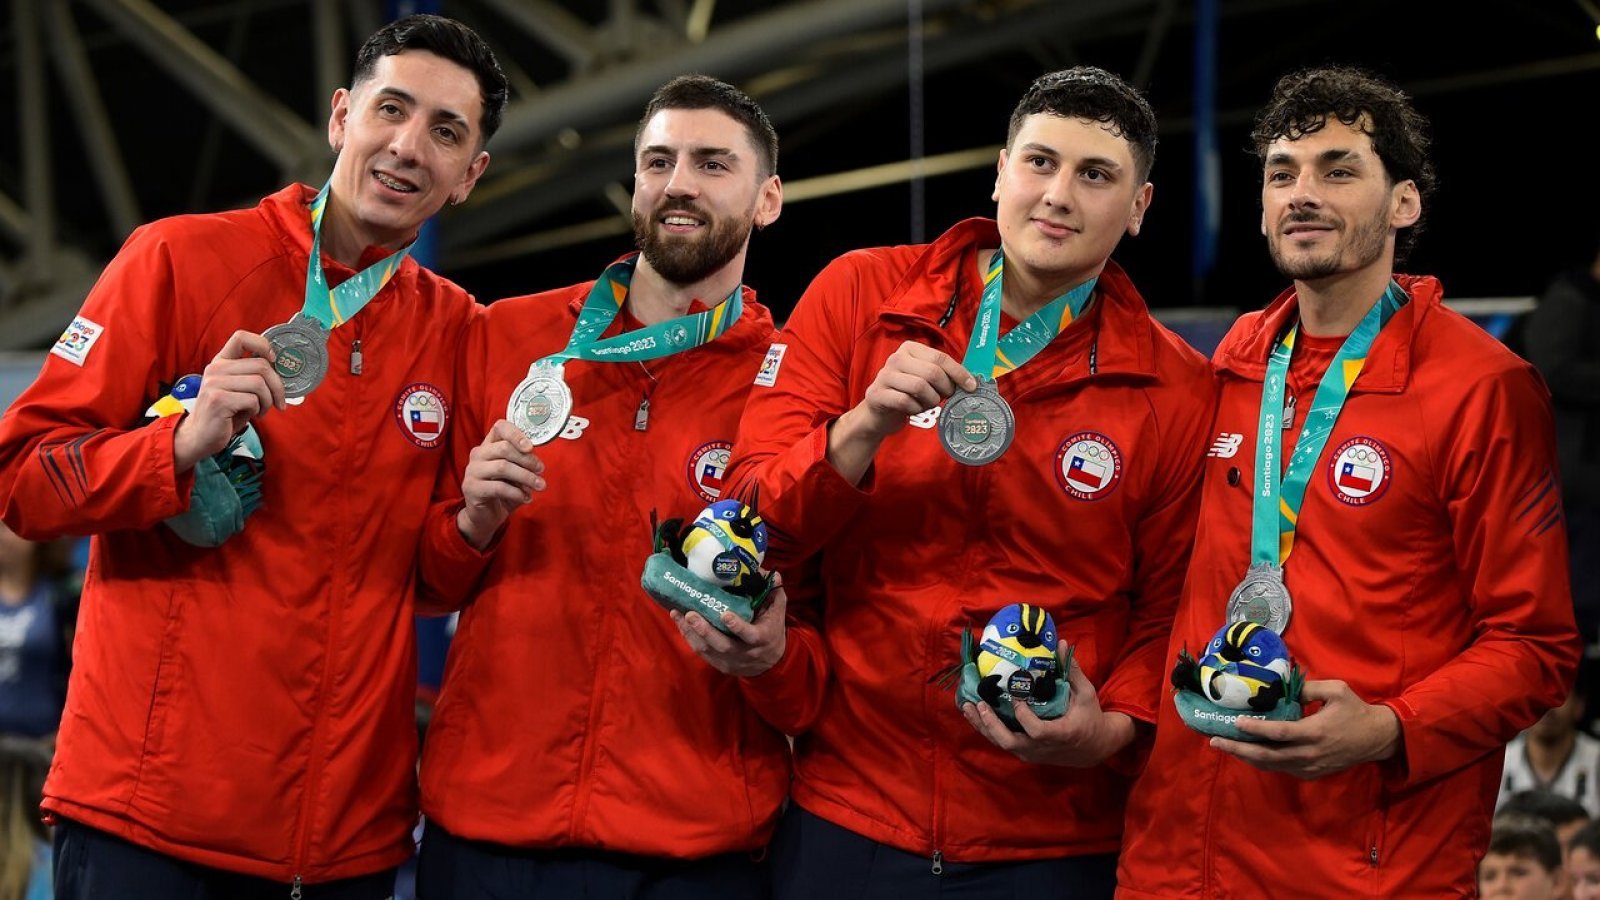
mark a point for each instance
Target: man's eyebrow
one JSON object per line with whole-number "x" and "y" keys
{"x": 698, "y": 151}
{"x": 442, "y": 113}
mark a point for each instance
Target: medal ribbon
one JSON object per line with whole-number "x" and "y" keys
{"x": 989, "y": 355}
{"x": 650, "y": 342}
{"x": 1276, "y": 511}
{"x": 333, "y": 307}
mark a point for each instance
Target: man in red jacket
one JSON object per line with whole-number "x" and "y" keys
{"x": 1080, "y": 501}
{"x": 1409, "y": 519}
{"x": 240, "y": 717}
{"x": 578, "y": 748}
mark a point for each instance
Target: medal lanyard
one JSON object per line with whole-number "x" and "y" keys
{"x": 605, "y": 301}
{"x": 988, "y": 355}
{"x": 333, "y": 307}
{"x": 1276, "y": 510}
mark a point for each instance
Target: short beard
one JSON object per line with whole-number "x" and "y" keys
{"x": 1366, "y": 244}
{"x": 682, "y": 260}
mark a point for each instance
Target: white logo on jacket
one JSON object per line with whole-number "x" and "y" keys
{"x": 575, "y": 428}
{"x": 1226, "y": 446}
{"x": 768, "y": 376}
{"x": 76, "y": 342}
{"x": 926, "y": 419}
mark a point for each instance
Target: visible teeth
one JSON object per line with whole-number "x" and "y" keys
{"x": 680, "y": 220}
{"x": 388, "y": 182}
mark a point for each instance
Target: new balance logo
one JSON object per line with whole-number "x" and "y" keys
{"x": 575, "y": 428}
{"x": 926, "y": 419}
{"x": 1226, "y": 445}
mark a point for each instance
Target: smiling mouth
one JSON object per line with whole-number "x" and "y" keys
{"x": 680, "y": 220}
{"x": 393, "y": 183}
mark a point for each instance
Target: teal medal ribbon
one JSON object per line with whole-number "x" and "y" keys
{"x": 541, "y": 404}
{"x": 605, "y": 301}
{"x": 988, "y": 354}
{"x": 976, "y": 427}
{"x": 300, "y": 345}
{"x": 1262, "y": 597}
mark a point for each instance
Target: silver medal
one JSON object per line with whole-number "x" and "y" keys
{"x": 1262, "y": 598}
{"x": 976, "y": 428}
{"x": 300, "y": 354}
{"x": 541, "y": 404}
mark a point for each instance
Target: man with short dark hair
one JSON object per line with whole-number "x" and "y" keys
{"x": 578, "y": 749}
{"x": 240, "y": 716}
{"x": 1051, "y": 459}
{"x": 1389, "y": 506}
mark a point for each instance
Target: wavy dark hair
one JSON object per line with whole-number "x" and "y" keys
{"x": 1089, "y": 92}
{"x": 1302, "y": 103}
{"x": 450, "y": 40}
{"x": 705, "y": 92}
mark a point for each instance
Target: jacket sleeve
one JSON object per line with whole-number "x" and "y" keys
{"x": 449, "y": 568}
{"x": 782, "y": 450}
{"x": 1163, "y": 538}
{"x": 74, "y": 458}
{"x": 782, "y": 447}
{"x": 789, "y": 695}
{"x": 1499, "y": 488}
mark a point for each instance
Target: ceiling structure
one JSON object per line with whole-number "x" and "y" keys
{"x": 890, "y": 111}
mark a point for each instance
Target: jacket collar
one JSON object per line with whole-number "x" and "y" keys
{"x": 943, "y": 284}
{"x": 1244, "y": 351}
{"x": 288, "y": 213}
{"x": 754, "y": 325}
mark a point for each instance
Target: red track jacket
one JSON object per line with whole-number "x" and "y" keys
{"x": 248, "y": 707}
{"x": 926, "y": 546}
{"x": 572, "y": 712}
{"x": 1430, "y": 574}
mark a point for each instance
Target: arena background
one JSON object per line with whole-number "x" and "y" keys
{"x": 122, "y": 111}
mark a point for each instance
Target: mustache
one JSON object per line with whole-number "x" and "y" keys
{"x": 1307, "y": 217}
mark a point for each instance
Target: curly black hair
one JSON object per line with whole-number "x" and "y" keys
{"x": 1303, "y": 101}
{"x": 445, "y": 38}
{"x": 705, "y": 92}
{"x": 1089, "y": 92}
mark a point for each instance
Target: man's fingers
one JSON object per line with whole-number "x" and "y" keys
{"x": 503, "y": 430}
{"x": 922, "y": 394}
{"x": 1032, "y": 725}
{"x": 508, "y": 471}
{"x": 242, "y": 344}
{"x": 994, "y": 729}
{"x": 957, "y": 374}
{"x": 1277, "y": 732}
{"x": 745, "y": 632}
{"x": 1323, "y": 691}
{"x": 777, "y": 602}
{"x": 689, "y": 635}
{"x": 715, "y": 641}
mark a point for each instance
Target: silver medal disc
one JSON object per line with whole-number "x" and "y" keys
{"x": 1262, "y": 598}
{"x": 541, "y": 404}
{"x": 300, "y": 354}
{"x": 976, "y": 428}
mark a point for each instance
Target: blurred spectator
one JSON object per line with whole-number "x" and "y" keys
{"x": 36, "y": 615}
{"x": 1565, "y": 816}
{"x": 1523, "y": 862}
{"x": 1562, "y": 338}
{"x": 1556, "y": 755}
{"x": 1583, "y": 863}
